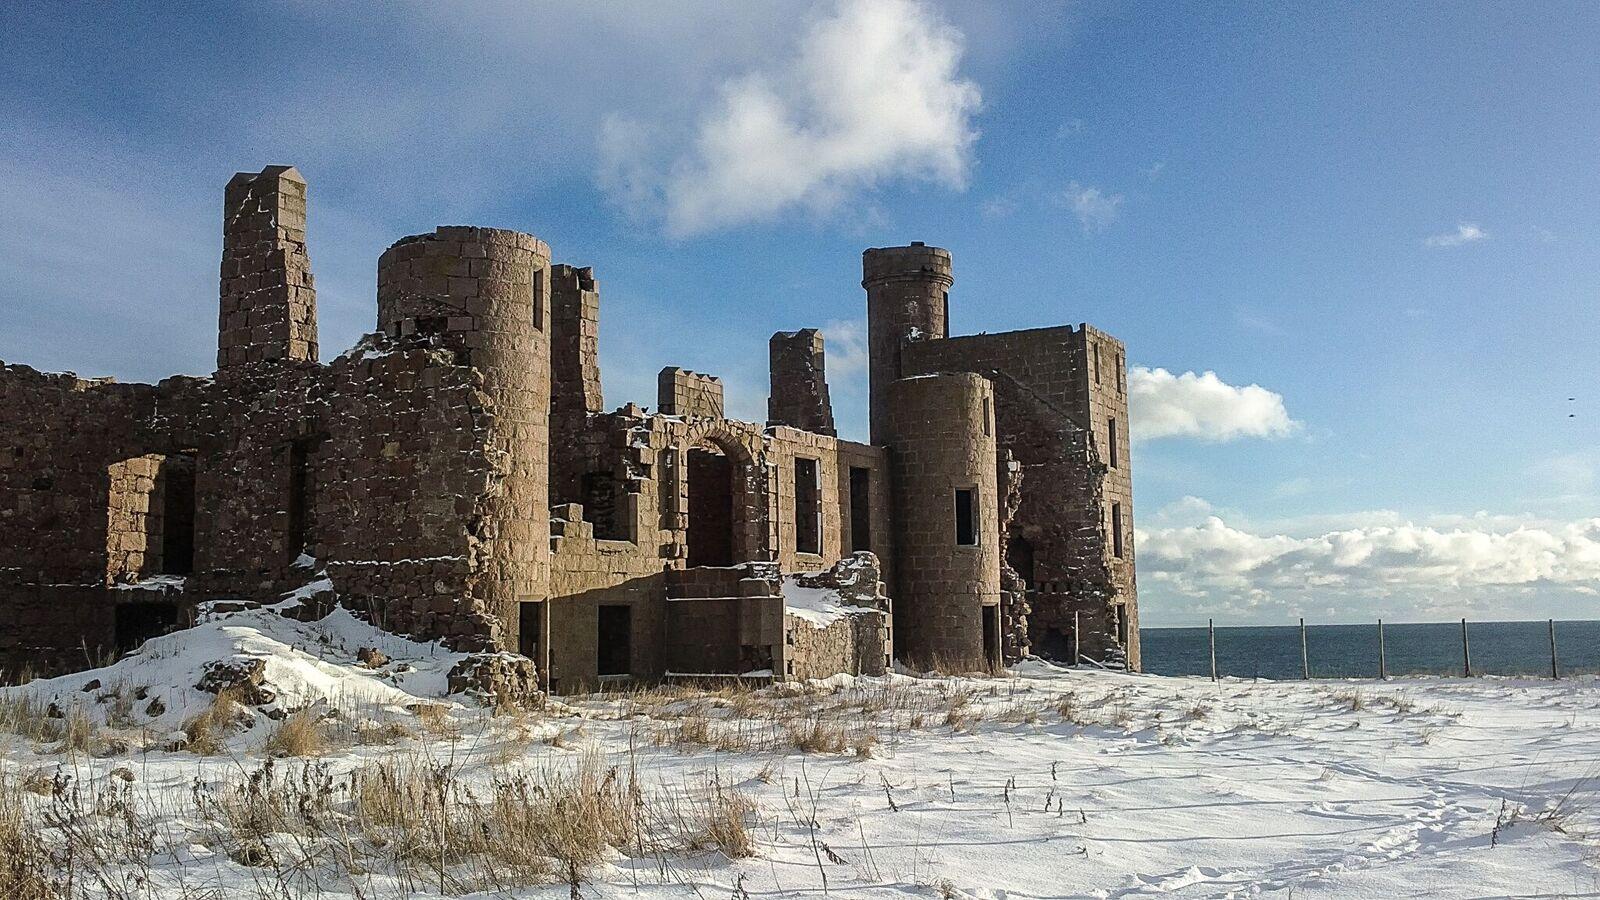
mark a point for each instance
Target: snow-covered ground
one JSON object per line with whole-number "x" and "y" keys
{"x": 1049, "y": 783}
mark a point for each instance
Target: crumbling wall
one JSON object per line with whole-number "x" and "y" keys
{"x": 574, "y": 376}
{"x": 799, "y": 392}
{"x": 1051, "y": 414}
{"x": 859, "y": 642}
{"x": 269, "y": 303}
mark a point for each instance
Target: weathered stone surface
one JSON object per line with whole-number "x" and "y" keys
{"x": 497, "y": 679}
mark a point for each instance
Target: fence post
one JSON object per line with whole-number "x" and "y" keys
{"x": 1466, "y": 650}
{"x": 1305, "y": 658}
{"x": 1383, "y": 662}
{"x": 1555, "y": 672}
{"x": 1211, "y": 634}
{"x": 1077, "y": 657}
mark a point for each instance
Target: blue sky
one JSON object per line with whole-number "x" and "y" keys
{"x": 1382, "y": 216}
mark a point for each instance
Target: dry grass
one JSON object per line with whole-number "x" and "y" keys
{"x": 302, "y": 733}
{"x": 208, "y": 729}
{"x": 26, "y": 870}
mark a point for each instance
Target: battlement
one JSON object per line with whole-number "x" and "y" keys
{"x": 916, "y": 261}
{"x": 680, "y": 392}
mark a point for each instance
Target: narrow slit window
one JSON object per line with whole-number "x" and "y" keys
{"x": 1097, "y": 379}
{"x": 987, "y": 411}
{"x": 860, "y": 508}
{"x": 537, "y": 306}
{"x": 966, "y": 517}
{"x": 1116, "y": 530}
{"x": 1111, "y": 440}
{"x": 807, "y": 506}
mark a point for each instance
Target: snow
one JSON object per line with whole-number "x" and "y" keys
{"x": 307, "y": 663}
{"x": 820, "y": 607}
{"x": 153, "y": 583}
{"x": 1050, "y": 783}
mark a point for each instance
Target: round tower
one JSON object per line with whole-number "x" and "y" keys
{"x": 946, "y": 506}
{"x": 485, "y": 292}
{"x": 908, "y": 299}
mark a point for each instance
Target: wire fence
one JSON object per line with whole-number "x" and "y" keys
{"x": 1547, "y": 648}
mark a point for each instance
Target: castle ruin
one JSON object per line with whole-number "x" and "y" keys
{"x": 456, "y": 476}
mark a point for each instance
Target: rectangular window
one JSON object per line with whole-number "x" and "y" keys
{"x": 860, "y": 508}
{"x": 807, "y": 506}
{"x": 1096, "y": 363}
{"x": 1116, "y": 530}
{"x": 987, "y": 430}
{"x": 1111, "y": 440}
{"x": 966, "y": 517}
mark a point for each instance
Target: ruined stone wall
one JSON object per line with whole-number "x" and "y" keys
{"x": 680, "y": 392}
{"x": 942, "y": 441}
{"x": 574, "y": 376}
{"x": 402, "y": 467}
{"x": 784, "y": 449}
{"x": 269, "y": 303}
{"x": 853, "y": 645}
{"x": 799, "y": 391}
{"x": 587, "y": 573}
{"x": 1052, "y": 414}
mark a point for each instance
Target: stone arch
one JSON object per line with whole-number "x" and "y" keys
{"x": 724, "y": 488}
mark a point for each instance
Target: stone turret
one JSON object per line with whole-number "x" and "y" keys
{"x": 908, "y": 299}
{"x": 946, "y": 504}
{"x": 485, "y": 293}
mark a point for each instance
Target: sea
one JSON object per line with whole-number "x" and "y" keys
{"x": 1351, "y": 651}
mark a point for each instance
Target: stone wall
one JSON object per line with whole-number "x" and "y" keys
{"x": 680, "y": 392}
{"x": 269, "y": 303}
{"x": 799, "y": 396}
{"x": 1053, "y": 416}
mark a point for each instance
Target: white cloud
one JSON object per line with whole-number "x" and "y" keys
{"x": 871, "y": 93}
{"x": 845, "y": 342}
{"x": 1425, "y": 569}
{"x": 1203, "y": 406}
{"x": 1465, "y": 233}
{"x": 1095, "y": 209}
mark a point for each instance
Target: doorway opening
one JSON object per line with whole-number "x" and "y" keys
{"x": 614, "y": 650}
{"x": 711, "y": 519}
{"x": 530, "y": 624}
{"x": 991, "y": 636}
